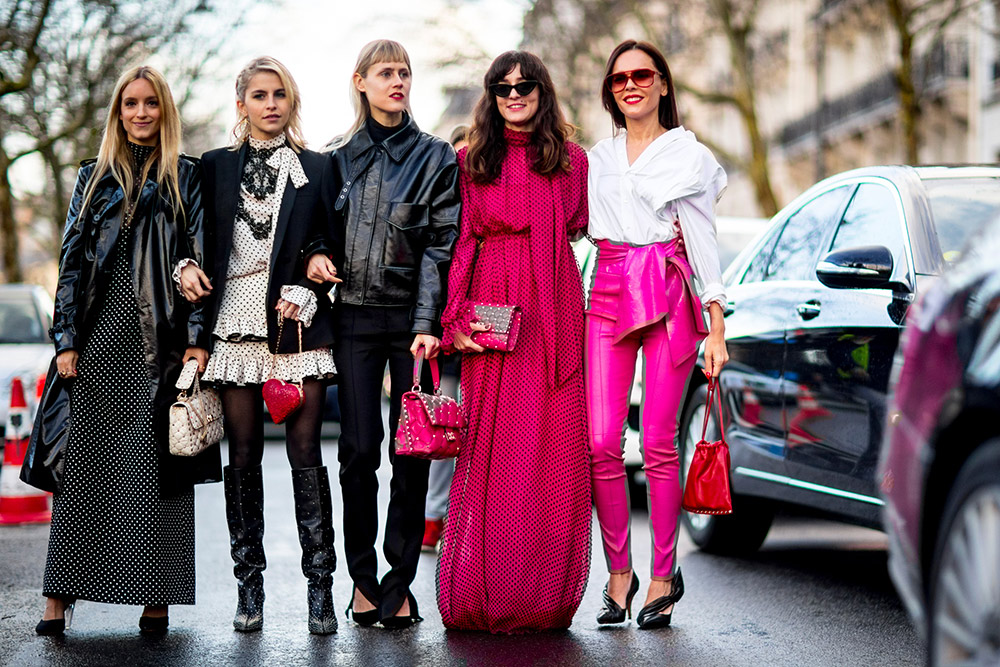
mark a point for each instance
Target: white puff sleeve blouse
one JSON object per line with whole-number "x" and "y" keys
{"x": 671, "y": 188}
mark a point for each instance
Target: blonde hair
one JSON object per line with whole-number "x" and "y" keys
{"x": 293, "y": 128}
{"x": 115, "y": 156}
{"x": 372, "y": 53}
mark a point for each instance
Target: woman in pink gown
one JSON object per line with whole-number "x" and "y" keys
{"x": 516, "y": 547}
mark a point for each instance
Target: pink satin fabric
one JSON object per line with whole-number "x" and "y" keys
{"x": 641, "y": 297}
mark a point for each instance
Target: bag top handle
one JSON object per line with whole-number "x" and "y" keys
{"x": 188, "y": 376}
{"x": 714, "y": 392}
{"x": 435, "y": 373}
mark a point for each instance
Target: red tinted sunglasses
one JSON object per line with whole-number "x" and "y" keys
{"x": 643, "y": 78}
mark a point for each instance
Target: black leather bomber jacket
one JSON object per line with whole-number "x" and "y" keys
{"x": 391, "y": 220}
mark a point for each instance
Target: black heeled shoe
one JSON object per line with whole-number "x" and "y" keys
{"x": 364, "y": 618}
{"x": 56, "y": 626}
{"x": 153, "y": 625}
{"x": 400, "y": 622}
{"x": 611, "y": 612}
{"x": 650, "y": 617}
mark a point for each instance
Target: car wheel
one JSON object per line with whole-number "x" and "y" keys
{"x": 964, "y": 609}
{"x": 744, "y": 530}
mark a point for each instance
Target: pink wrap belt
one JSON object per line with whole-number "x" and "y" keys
{"x": 635, "y": 286}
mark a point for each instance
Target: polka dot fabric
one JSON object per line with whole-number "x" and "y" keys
{"x": 240, "y": 355}
{"x": 113, "y": 538}
{"x": 516, "y": 547}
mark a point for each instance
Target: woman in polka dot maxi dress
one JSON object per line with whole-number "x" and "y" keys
{"x": 123, "y": 518}
{"x": 259, "y": 201}
{"x": 516, "y": 547}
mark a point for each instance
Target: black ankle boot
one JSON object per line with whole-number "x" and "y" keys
{"x": 314, "y": 513}
{"x": 245, "y": 513}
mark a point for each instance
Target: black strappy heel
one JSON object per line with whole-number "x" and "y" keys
{"x": 611, "y": 612}
{"x": 650, "y": 617}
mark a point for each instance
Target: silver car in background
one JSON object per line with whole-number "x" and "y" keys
{"x": 25, "y": 347}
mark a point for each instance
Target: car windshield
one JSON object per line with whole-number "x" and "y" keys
{"x": 19, "y": 321}
{"x": 960, "y": 207}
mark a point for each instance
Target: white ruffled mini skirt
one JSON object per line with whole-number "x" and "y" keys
{"x": 251, "y": 362}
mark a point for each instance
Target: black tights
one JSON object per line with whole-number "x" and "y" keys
{"x": 243, "y": 408}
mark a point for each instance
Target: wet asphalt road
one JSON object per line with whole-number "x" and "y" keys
{"x": 816, "y": 594}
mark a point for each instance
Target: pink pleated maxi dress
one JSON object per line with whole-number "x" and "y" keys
{"x": 516, "y": 545}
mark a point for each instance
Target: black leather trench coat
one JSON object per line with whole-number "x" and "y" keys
{"x": 392, "y": 221}
{"x": 223, "y": 169}
{"x": 168, "y": 323}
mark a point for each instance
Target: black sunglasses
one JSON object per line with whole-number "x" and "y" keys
{"x": 503, "y": 89}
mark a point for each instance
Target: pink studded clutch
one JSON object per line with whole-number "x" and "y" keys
{"x": 504, "y": 323}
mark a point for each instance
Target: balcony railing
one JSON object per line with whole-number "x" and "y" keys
{"x": 944, "y": 63}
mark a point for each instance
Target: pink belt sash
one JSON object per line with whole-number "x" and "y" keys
{"x": 636, "y": 286}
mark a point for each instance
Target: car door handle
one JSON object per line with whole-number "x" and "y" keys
{"x": 729, "y": 309}
{"x": 809, "y": 309}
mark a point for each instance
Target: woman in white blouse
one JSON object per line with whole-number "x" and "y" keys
{"x": 267, "y": 320}
{"x": 652, "y": 191}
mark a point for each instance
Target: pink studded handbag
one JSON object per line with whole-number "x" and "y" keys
{"x": 429, "y": 424}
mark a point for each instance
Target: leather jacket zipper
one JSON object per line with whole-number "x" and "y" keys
{"x": 380, "y": 156}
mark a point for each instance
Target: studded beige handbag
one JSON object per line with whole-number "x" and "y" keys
{"x": 196, "y": 418}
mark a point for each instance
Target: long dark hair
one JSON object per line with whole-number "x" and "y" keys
{"x": 668, "y": 115}
{"x": 487, "y": 146}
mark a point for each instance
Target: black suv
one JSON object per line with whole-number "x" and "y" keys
{"x": 816, "y": 308}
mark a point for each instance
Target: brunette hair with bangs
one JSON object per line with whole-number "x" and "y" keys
{"x": 487, "y": 146}
{"x": 668, "y": 114}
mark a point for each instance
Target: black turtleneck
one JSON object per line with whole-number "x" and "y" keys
{"x": 140, "y": 154}
{"x": 379, "y": 132}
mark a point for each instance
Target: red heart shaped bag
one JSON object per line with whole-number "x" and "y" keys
{"x": 283, "y": 398}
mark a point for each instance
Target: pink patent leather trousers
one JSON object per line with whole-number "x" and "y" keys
{"x": 609, "y": 369}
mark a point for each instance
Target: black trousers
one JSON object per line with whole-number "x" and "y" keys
{"x": 367, "y": 338}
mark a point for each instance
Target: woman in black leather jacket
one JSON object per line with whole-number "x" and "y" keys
{"x": 123, "y": 517}
{"x": 391, "y": 192}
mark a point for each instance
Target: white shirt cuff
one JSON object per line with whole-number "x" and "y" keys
{"x": 713, "y": 292}
{"x": 180, "y": 267}
{"x": 304, "y": 298}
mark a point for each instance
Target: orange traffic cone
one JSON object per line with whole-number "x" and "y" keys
{"x": 19, "y": 503}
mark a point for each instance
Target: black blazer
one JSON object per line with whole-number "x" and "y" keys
{"x": 222, "y": 169}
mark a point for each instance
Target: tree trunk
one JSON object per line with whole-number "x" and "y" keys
{"x": 740, "y": 59}
{"x": 909, "y": 107}
{"x": 8, "y": 226}
{"x": 59, "y": 205}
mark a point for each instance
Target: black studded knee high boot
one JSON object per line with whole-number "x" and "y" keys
{"x": 314, "y": 513}
{"x": 245, "y": 514}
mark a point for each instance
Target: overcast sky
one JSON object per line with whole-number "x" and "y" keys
{"x": 320, "y": 42}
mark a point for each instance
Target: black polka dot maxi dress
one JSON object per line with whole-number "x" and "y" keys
{"x": 114, "y": 538}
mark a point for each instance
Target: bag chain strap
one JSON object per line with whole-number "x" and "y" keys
{"x": 298, "y": 359}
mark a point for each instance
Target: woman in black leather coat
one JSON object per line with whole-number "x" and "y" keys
{"x": 392, "y": 196}
{"x": 123, "y": 516}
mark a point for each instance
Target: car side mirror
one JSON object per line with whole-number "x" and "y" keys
{"x": 859, "y": 267}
